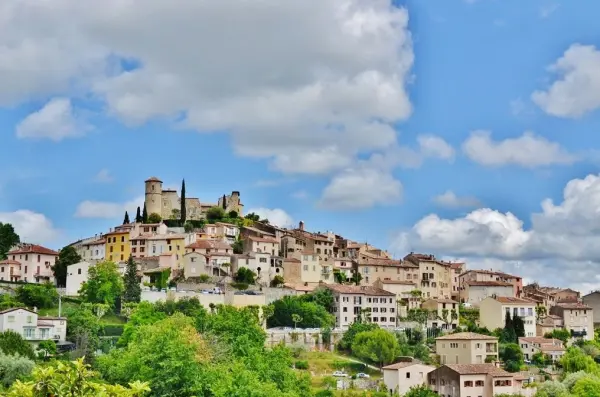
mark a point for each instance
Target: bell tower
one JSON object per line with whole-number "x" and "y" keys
{"x": 153, "y": 199}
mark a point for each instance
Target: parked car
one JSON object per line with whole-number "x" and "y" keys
{"x": 340, "y": 374}
{"x": 362, "y": 375}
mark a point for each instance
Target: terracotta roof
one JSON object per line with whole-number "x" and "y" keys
{"x": 300, "y": 287}
{"x": 16, "y": 308}
{"x": 292, "y": 260}
{"x": 153, "y": 179}
{"x": 9, "y": 262}
{"x": 33, "y": 249}
{"x": 400, "y": 282}
{"x": 456, "y": 265}
{"x": 514, "y": 301}
{"x": 488, "y": 284}
{"x": 209, "y": 244}
{"x": 402, "y": 364}
{"x": 540, "y": 340}
{"x": 117, "y": 232}
{"x": 573, "y": 306}
{"x": 99, "y": 241}
{"x": 382, "y": 262}
{"x": 552, "y": 348}
{"x": 358, "y": 289}
{"x": 255, "y": 230}
{"x": 263, "y": 239}
{"x": 466, "y": 336}
{"x": 476, "y": 369}
{"x": 491, "y": 272}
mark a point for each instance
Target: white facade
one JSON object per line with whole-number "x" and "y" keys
{"x": 400, "y": 377}
{"x": 552, "y": 347}
{"x": 32, "y": 327}
{"x": 77, "y": 274}
{"x": 34, "y": 263}
{"x": 492, "y": 313}
{"x": 351, "y": 302}
{"x": 475, "y": 292}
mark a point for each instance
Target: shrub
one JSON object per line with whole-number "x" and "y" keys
{"x": 13, "y": 368}
{"x": 41, "y": 296}
{"x": 113, "y": 329}
{"x": 301, "y": 364}
{"x": 240, "y": 286}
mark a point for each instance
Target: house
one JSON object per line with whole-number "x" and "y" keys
{"x": 551, "y": 347}
{"x": 353, "y": 301}
{"x": 445, "y": 313}
{"x": 471, "y": 380}
{"x": 406, "y": 293}
{"x": 215, "y": 264}
{"x": 118, "y": 245}
{"x": 593, "y": 300}
{"x": 29, "y": 263}
{"x": 474, "y": 292}
{"x": 210, "y": 247}
{"x": 578, "y": 318}
{"x": 227, "y": 231}
{"x": 466, "y": 348}
{"x": 548, "y": 324}
{"x": 493, "y": 311}
{"x": 491, "y": 275}
{"x": 372, "y": 267}
{"x": 77, "y": 274}
{"x": 456, "y": 269}
{"x": 261, "y": 244}
{"x": 400, "y": 377}
{"x": 92, "y": 248}
{"x": 435, "y": 277}
{"x": 32, "y": 327}
{"x": 302, "y": 271}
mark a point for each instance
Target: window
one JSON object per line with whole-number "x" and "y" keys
{"x": 506, "y": 382}
{"x": 122, "y": 239}
{"x": 454, "y": 345}
{"x": 29, "y": 319}
{"x": 478, "y": 345}
{"x": 11, "y": 319}
{"x": 305, "y": 267}
{"x": 2, "y": 269}
{"x": 78, "y": 271}
{"x": 122, "y": 248}
{"x": 468, "y": 383}
{"x": 39, "y": 258}
{"x": 262, "y": 260}
{"x": 29, "y": 332}
{"x": 25, "y": 269}
{"x": 408, "y": 375}
{"x": 479, "y": 383}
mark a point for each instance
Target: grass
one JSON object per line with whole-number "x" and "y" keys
{"x": 109, "y": 318}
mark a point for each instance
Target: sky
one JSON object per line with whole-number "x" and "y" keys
{"x": 463, "y": 128}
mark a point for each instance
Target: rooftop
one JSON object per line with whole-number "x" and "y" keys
{"x": 488, "y": 284}
{"x": 358, "y": 289}
{"x": 513, "y": 301}
{"x": 32, "y": 249}
{"x": 491, "y": 272}
{"x": 9, "y": 262}
{"x": 477, "y": 369}
{"x": 466, "y": 336}
{"x": 265, "y": 239}
{"x": 209, "y": 244}
{"x": 402, "y": 364}
{"x": 573, "y": 306}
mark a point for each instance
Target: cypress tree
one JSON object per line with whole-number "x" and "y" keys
{"x": 126, "y": 219}
{"x": 145, "y": 214}
{"x": 182, "y": 211}
{"x": 133, "y": 291}
{"x": 224, "y": 202}
{"x": 138, "y": 215}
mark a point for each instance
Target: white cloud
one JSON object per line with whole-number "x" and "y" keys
{"x": 104, "y": 176}
{"x": 276, "y": 216}
{"x": 361, "y": 188}
{"x": 32, "y": 227}
{"x": 107, "y": 209}
{"x": 55, "y": 121}
{"x": 436, "y": 147}
{"x": 451, "y": 200}
{"x": 549, "y": 9}
{"x": 562, "y": 237}
{"x": 528, "y": 150}
{"x": 577, "y": 89}
{"x": 314, "y": 77}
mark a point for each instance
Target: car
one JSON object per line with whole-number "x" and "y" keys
{"x": 340, "y": 374}
{"x": 362, "y": 375}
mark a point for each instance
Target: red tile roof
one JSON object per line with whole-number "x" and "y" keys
{"x": 263, "y": 239}
{"x": 209, "y": 244}
{"x": 466, "y": 336}
{"x": 153, "y": 179}
{"x": 9, "y": 262}
{"x": 477, "y": 369}
{"x": 33, "y": 249}
{"x": 488, "y": 284}
{"x": 514, "y": 301}
{"x": 358, "y": 289}
{"x": 573, "y": 306}
{"x": 292, "y": 260}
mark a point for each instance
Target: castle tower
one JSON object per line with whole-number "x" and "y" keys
{"x": 153, "y": 199}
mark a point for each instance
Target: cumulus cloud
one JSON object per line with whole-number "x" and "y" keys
{"x": 451, "y": 200}
{"x": 31, "y": 226}
{"x": 325, "y": 77}
{"x": 528, "y": 150}
{"x": 436, "y": 147}
{"x": 55, "y": 121}
{"x": 576, "y": 91}
{"x": 276, "y": 216}
{"x": 107, "y": 209}
{"x": 562, "y": 236}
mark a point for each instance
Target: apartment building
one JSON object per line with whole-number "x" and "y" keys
{"x": 216, "y": 264}
{"x": 456, "y": 269}
{"x": 435, "y": 277}
{"x": 372, "y": 268}
{"x": 261, "y": 244}
{"x": 209, "y": 247}
{"x": 118, "y": 245}
{"x": 473, "y": 292}
{"x": 91, "y": 249}
{"x": 491, "y": 275}
{"x": 578, "y": 318}
{"x": 29, "y": 263}
{"x": 541, "y": 298}
{"x": 353, "y": 301}
{"x": 474, "y": 380}
{"x": 405, "y": 294}
{"x": 553, "y": 348}
{"x": 548, "y": 324}
{"x": 466, "y": 348}
{"x": 32, "y": 327}
{"x": 400, "y": 377}
{"x": 445, "y": 313}
{"x": 562, "y": 294}
{"x": 593, "y": 300}
{"x": 305, "y": 271}
{"x": 492, "y": 313}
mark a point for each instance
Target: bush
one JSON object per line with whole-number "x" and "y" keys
{"x": 113, "y": 329}
{"x": 12, "y": 343}
{"x": 301, "y": 364}
{"x": 42, "y": 296}
{"x": 240, "y": 286}
{"x": 245, "y": 275}
{"x": 13, "y": 368}
{"x": 154, "y": 218}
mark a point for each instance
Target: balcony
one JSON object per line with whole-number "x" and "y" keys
{"x": 39, "y": 336}
{"x": 491, "y": 348}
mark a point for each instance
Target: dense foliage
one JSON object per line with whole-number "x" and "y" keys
{"x": 37, "y": 295}
{"x": 131, "y": 283}
{"x": 13, "y": 367}
{"x": 378, "y": 346}
{"x": 13, "y": 343}
{"x": 66, "y": 257}
{"x": 104, "y": 284}
{"x": 313, "y": 309}
{"x": 8, "y": 239}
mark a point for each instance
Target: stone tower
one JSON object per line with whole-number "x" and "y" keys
{"x": 153, "y": 199}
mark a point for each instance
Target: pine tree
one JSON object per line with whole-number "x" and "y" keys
{"x": 133, "y": 291}
{"x": 126, "y": 219}
{"x": 138, "y": 215}
{"x": 183, "y": 214}
{"x": 145, "y": 214}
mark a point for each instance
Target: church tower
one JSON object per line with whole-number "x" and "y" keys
{"x": 153, "y": 199}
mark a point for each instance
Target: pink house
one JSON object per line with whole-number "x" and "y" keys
{"x": 29, "y": 263}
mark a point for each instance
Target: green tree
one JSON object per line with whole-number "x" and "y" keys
{"x": 277, "y": 281}
{"x": 587, "y": 387}
{"x": 66, "y": 257}
{"x": 13, "y": 367}
{"x": 512, "y": 356}
{"x": 561, "y": 334}
{"x": 126, "y": 219}
{"x": 576, "y": 360}
{"x": 182, "y": 211}
{"x": 131, "y": 283}
{"x": 448, "y": 316}
{"x": 8, "y": 301}
{"x": 355, "y": 328}
{"x": 84, "y": 329}
{"x": 378, "y": 346}
{"x": 238, "y": 246}
{"x": 144, "y": 314}
{"x": 339, "y": 277}
{"x": 245, "y": 275}
{"x": 215, "y": 214}
{"x": 38, "y": 295}
{"x": 519, "y": 327}
{"x": 145, "y": 214}
{"x": 8, "y": 239}
{"x": 420, "y": 391}
{"x": 313, "y": 314}
{"x": 154, "y": 218}
{"x": 46, "y": 349}
{"x": 138, "y": 216}
{"x": 253, "y": 217}
{"x": 419, "y": 316}
{"x": 540, "y": 312}
{"x": 296, "y": 318}
{"x": 232, "y": 214}
{"x": 104, "y": 284}
{"x": 72, "y": 379}
{"x": 552, "y": 388}
{"x": 12, "y": 343}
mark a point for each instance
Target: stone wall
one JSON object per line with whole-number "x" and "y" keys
{"x": 309, "y": 339}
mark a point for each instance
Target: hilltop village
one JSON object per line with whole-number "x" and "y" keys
{"x": 420, "y": 325}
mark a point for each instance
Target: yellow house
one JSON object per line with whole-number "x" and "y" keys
{"x": 118, "y": 247}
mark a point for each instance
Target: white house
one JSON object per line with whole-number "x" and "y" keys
{"x": 77, "y": 274}
{"x": 32, "y": 327}
{"x": 400, "y": 377}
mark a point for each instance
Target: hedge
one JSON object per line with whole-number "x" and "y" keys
{"x": 113, "y": 329}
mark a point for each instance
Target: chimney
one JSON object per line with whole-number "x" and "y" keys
{"x": 301, "y": 225}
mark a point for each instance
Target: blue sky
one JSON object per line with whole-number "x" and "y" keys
{"x": 436, "y": 125}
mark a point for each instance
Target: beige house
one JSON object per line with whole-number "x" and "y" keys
{"x": 351, "y": 302}
{"x": 400, "y": 377}
{"x": 593, "y": 300}
{"x": 196, "y": 264}
{"x": 302, "y": 271}
{"x": 466, "y": 348}
{"x": 435, "y": 277}
{"x": 492, "y": 313}
{"x": 29, "y": 263}
{"x": 473, "y": 380}
{"x": 258, "y": 262}
{"x": 265, "y": 244}
{"x": 456, "y": 269}
{"x": 444, "y": 312}
{"x": 491, "y": 275}
{"x": 554, "y": 348}
{"x": 577, "y": 317}
{"x": 474, "y": 292}
{"x": 210, "y": 247}
{"x": 404, "y": 294}
{"x": 372, "y": 268}
{"x": 548, "y": 324}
